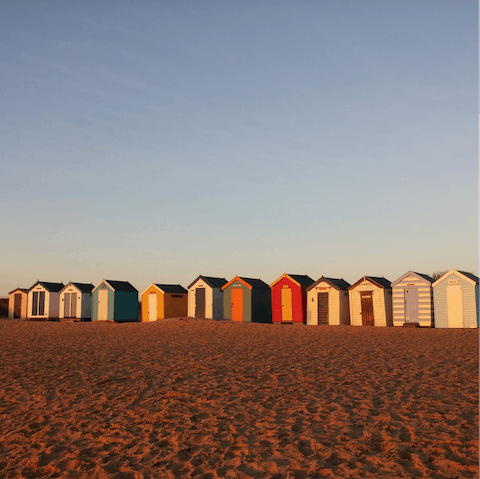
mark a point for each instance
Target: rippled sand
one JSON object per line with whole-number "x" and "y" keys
{"x": 199, "y": 398}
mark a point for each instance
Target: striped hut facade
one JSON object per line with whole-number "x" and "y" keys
{"x": 412, "y": 296}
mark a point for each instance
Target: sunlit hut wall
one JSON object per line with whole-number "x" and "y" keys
{"x": 205, "y": 297}
{"x": 17, "y": 303}
{"x": 455, "y": 297}
{"x": 328, "y": 302}
{"x": 371, "y": 302}
{"x": 43, "y": 300}
{"x": 413, "y": 300}
{"x": 247, "y": 299}
{"x": 114, "y": 301}
{"x": 76, "y": 301}
{"x": 162, "y": 301}
{"x": 289, "y": 298}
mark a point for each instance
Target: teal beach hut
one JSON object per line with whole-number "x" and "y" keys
{"x": 114, "y": 301}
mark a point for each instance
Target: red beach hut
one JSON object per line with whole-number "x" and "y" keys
{"x": 289, "y": 298}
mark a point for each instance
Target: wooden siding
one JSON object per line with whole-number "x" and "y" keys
{"x": 333, "y": 304}
{"x": 111, "y": 302}
{"x": 208, "y": 299}
{"x": 468, "y": 302}
{"x": 23, "y": 307}
{"x": 84, "y": 303}
{"x": 297, "y": 300}
{"x": 144, "y": 303}
{"x": 247, "y": 301}
{"x": 51, "y": 304}
{"x": 176, "y": 305}
{"x": 381, "y": 304}
{"x": 125, "y": 306}
{"x": 425, "y": 300}
{"x": 217, "y": 305}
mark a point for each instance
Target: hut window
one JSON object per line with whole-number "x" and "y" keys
{"x": 177, "y": 295}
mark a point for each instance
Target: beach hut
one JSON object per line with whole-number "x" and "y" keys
{"x": 205, "y": 297}
{"x": 44, "y": 300}
{"x": 17, "y": 303}
{"x": 247, "y": 299}
{"x": 412, "y": 296}
{"x": 289, "y": 298}
{"x": 161, "y": 301}
{"x": 370, "y": 301}
{"x": 455, "y": 297}
{"x": 328, "y": 302}
{"x": 76, "y": 301}
{"x": 114, "y": 301}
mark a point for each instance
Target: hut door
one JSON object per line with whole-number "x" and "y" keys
{"x": 38, "y": 303}
{"x": 411, "y": 305}
{"x": 287, "y": 305}
{"x": 152, "y": 307}
{"x": 17, "y": 305}
{"x": 454, "y": 306}
{"x": 322, "y": 299}
{"x": 200, "y": 303}
{"x": 102, "y": 314}
{"x": 367, "y": 308}
{"x": 237, "y": 304}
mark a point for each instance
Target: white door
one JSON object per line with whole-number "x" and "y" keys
{"x": 454, "y": 306}
{"x": 152, "y": 307}
{"x": 102, "y": 305}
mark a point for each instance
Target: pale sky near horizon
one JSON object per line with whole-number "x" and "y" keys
{"x": 155, "y": 141}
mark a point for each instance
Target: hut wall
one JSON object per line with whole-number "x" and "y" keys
{"x": 125, "y": 306}
{"x": 344, "y": 308}
{"x": 247, "y": 301}
{"x": 86, "y": 307}
{"x": 144, "y": 303}
{"x": 261, "y": 305}
{"x": 175, "y": 305}
{"x": 217, "y": 307}
{"x": 379, "y": 312}
{"x": 297, "y": 302}
{"x": 425, "y": 304}
{"x": 23, "y": 304}
{"x": 111, "y": 301}
{"x": 468, "y": 302}
{"x": 208, "y": 299}
{"x": 333, "y": 304}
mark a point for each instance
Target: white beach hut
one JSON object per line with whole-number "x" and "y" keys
{"x": 44, "y": 300}
{"x": 76, "y": 301}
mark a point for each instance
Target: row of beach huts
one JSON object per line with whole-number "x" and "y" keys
{"x": 414, "y": 299}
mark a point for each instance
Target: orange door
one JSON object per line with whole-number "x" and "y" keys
{"x": 237, "y": 304}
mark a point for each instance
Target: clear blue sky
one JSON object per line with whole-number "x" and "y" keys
{"x": 154, "y": 141}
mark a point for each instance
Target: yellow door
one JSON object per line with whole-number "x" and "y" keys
{"x": 102, "y": 305}
{"x": 237, "y": 304}
{"x": 287, "y": 305}
{"x": 454, "y": 306}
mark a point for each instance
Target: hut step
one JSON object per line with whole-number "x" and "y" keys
{"x": 411, "y": 325}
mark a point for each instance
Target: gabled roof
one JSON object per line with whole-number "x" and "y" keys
{"x": 171, "y": 288}
{"x": 121, "y": 286}
{"x": 83, "y": 287}
{"x": 19, "y": 289}
{"x": 470, "y": 277}
{"x": 410, "y": 273}
{"x": 51, "y": 287}
{"x": 300, "y": 279}
{"x": 211, "y": 281}
{"x": 376, "y": 280}
{"x": 248, "y": 282}
{"x": 336, "y": 283}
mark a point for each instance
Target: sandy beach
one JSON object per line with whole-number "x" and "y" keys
{"x": 199, "y": 398}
